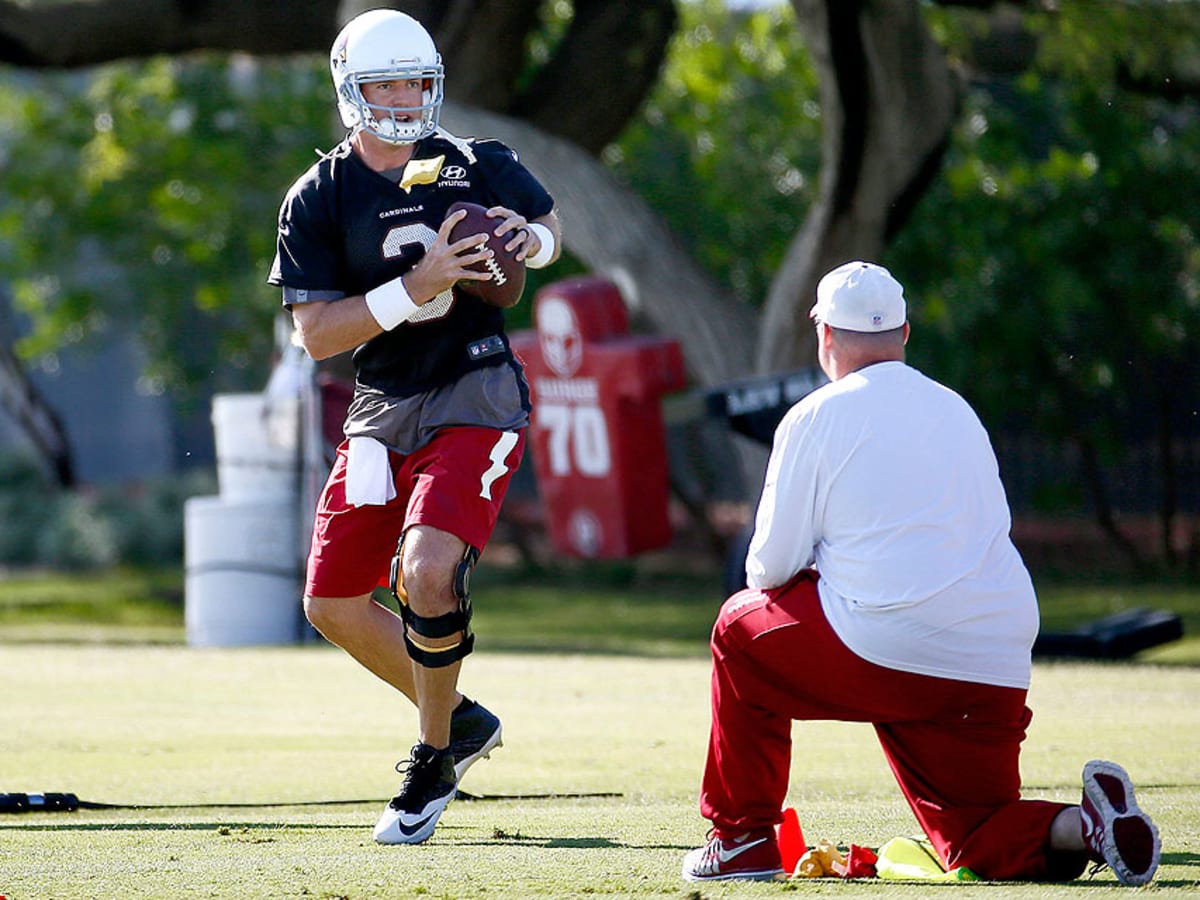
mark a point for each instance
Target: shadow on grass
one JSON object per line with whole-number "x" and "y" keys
{"x": 1187, "y": 859}
{"x": 255, "y": 830}
{"x": 499, "y": 836}
{"x": 224, "y": 829}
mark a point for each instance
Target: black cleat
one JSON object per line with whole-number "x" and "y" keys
{"x": 429, "y": 786}
{"x": 474, "y": 734}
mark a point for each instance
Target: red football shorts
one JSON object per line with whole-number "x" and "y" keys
{"x": 455, "y": 483}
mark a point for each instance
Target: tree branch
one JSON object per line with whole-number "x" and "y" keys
{"x": 21, "y": 400}
{"x": 602, "y": 71}
{"x": 888, "y": 103}
{"x": 587, "y": 91}
{"x": 77, "y": 34}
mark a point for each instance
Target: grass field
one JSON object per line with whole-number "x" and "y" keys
{"x": 90, "y": 708}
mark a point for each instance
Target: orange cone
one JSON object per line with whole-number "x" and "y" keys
{"x": 790, "y": 839}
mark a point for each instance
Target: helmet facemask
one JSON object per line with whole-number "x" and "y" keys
{"x": 386, "y": 123}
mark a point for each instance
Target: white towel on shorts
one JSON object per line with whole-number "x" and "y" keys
{"x": 368, "y": 473}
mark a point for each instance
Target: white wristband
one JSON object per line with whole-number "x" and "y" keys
{"x": 390, "y": 303}
{"x": 545, "y": 253}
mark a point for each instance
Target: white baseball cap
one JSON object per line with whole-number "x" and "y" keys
{"x": 860, "y": 296}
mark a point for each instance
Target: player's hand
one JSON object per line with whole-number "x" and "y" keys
{"x": 523, "y": 241}
{"x": 446, "y": 262}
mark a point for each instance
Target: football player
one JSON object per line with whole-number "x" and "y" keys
{"x": 436, "y": 425}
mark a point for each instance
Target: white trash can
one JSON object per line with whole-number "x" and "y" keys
{"x": 243, "y": 579}
{"x": 257, "y": 440}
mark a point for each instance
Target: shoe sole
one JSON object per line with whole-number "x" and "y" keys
{"x": 755, "y": 875}
{"x": 484, "y": 752}
{"x": 1129, "y": 820}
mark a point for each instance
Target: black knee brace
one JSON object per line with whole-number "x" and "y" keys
{"x": 458, "y": 621}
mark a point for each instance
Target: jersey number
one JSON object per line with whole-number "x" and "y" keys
{"x": 578, "y": 439}
{"x": 394, "y": 244}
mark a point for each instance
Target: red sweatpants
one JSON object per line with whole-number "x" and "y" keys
{"x": 953, "y": 746}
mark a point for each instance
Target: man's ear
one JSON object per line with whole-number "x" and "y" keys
{"x": 824, "y": 334}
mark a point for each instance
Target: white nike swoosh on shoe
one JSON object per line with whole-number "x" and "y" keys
{"x": 725, "y": 855}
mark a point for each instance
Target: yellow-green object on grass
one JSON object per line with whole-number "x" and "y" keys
{"x": 913, "y": 859}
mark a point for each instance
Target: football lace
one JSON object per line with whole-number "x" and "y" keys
{"x": 498, "y": 276}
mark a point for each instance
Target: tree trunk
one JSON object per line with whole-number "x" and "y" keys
{"x": 21, "y": 400}
{"x": 594, "y": 80}
{"x": 1168, "y": 467}
{"x": 888, "y": 101}
{"x": 616, "y": 235}
{"x": 1106, "y": 518}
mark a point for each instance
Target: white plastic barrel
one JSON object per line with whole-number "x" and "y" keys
{"x": 242, "y": 584}
{"x": 256, "y": 439}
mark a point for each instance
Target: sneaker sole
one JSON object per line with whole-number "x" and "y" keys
{"x": 484, "y": 752}
{"x": 1128, "y": 821}
{"x": 753, "y": 875}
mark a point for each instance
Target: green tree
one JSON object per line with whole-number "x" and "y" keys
{"x": 145, "y": 197}
{"x": 1058, "y": 279}
{"x": 773, "y": 160}
{"x": 727, "y": 149}
{"x": 1052, "y": 264}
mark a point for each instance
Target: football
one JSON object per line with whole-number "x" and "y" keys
{"x": 507, "y": 283}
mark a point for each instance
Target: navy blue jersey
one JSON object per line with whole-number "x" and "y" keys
{"x": 345, "y": 229}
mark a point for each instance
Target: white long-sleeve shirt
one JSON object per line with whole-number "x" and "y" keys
{"x": 886, "y": 481}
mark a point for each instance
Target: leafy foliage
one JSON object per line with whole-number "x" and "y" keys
{"x": 728, "y": 147}
{"x": 42, "y": 525}
{"x": 148, "y": 195}
{"x": 1057, "y": 271}
{"x": 1056, "y": 267}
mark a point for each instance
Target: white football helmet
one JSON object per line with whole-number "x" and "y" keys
{"x": 386, "y": 45}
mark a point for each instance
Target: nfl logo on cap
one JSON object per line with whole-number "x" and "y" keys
{"x": 860, "y": 296}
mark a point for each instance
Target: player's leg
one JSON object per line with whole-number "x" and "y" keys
{"x": 456, "y": 485}
{"x": 749, "y": 748}
{"x": 775, "y": 659}
{"x": 438, "y": 625}
{"x": 959, "y": 771}
{"x": 745, "y": 775}
{"x": 436, "y": 617}
{"x": 371, "y": 634}
{"x": 457, "y": 482}
{"x": 351, "y": 550}
{"x": 749, "y": 751}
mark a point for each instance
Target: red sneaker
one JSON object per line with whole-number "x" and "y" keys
{"x": 1115, "y": 830}
{"x": 752, "y": 857}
